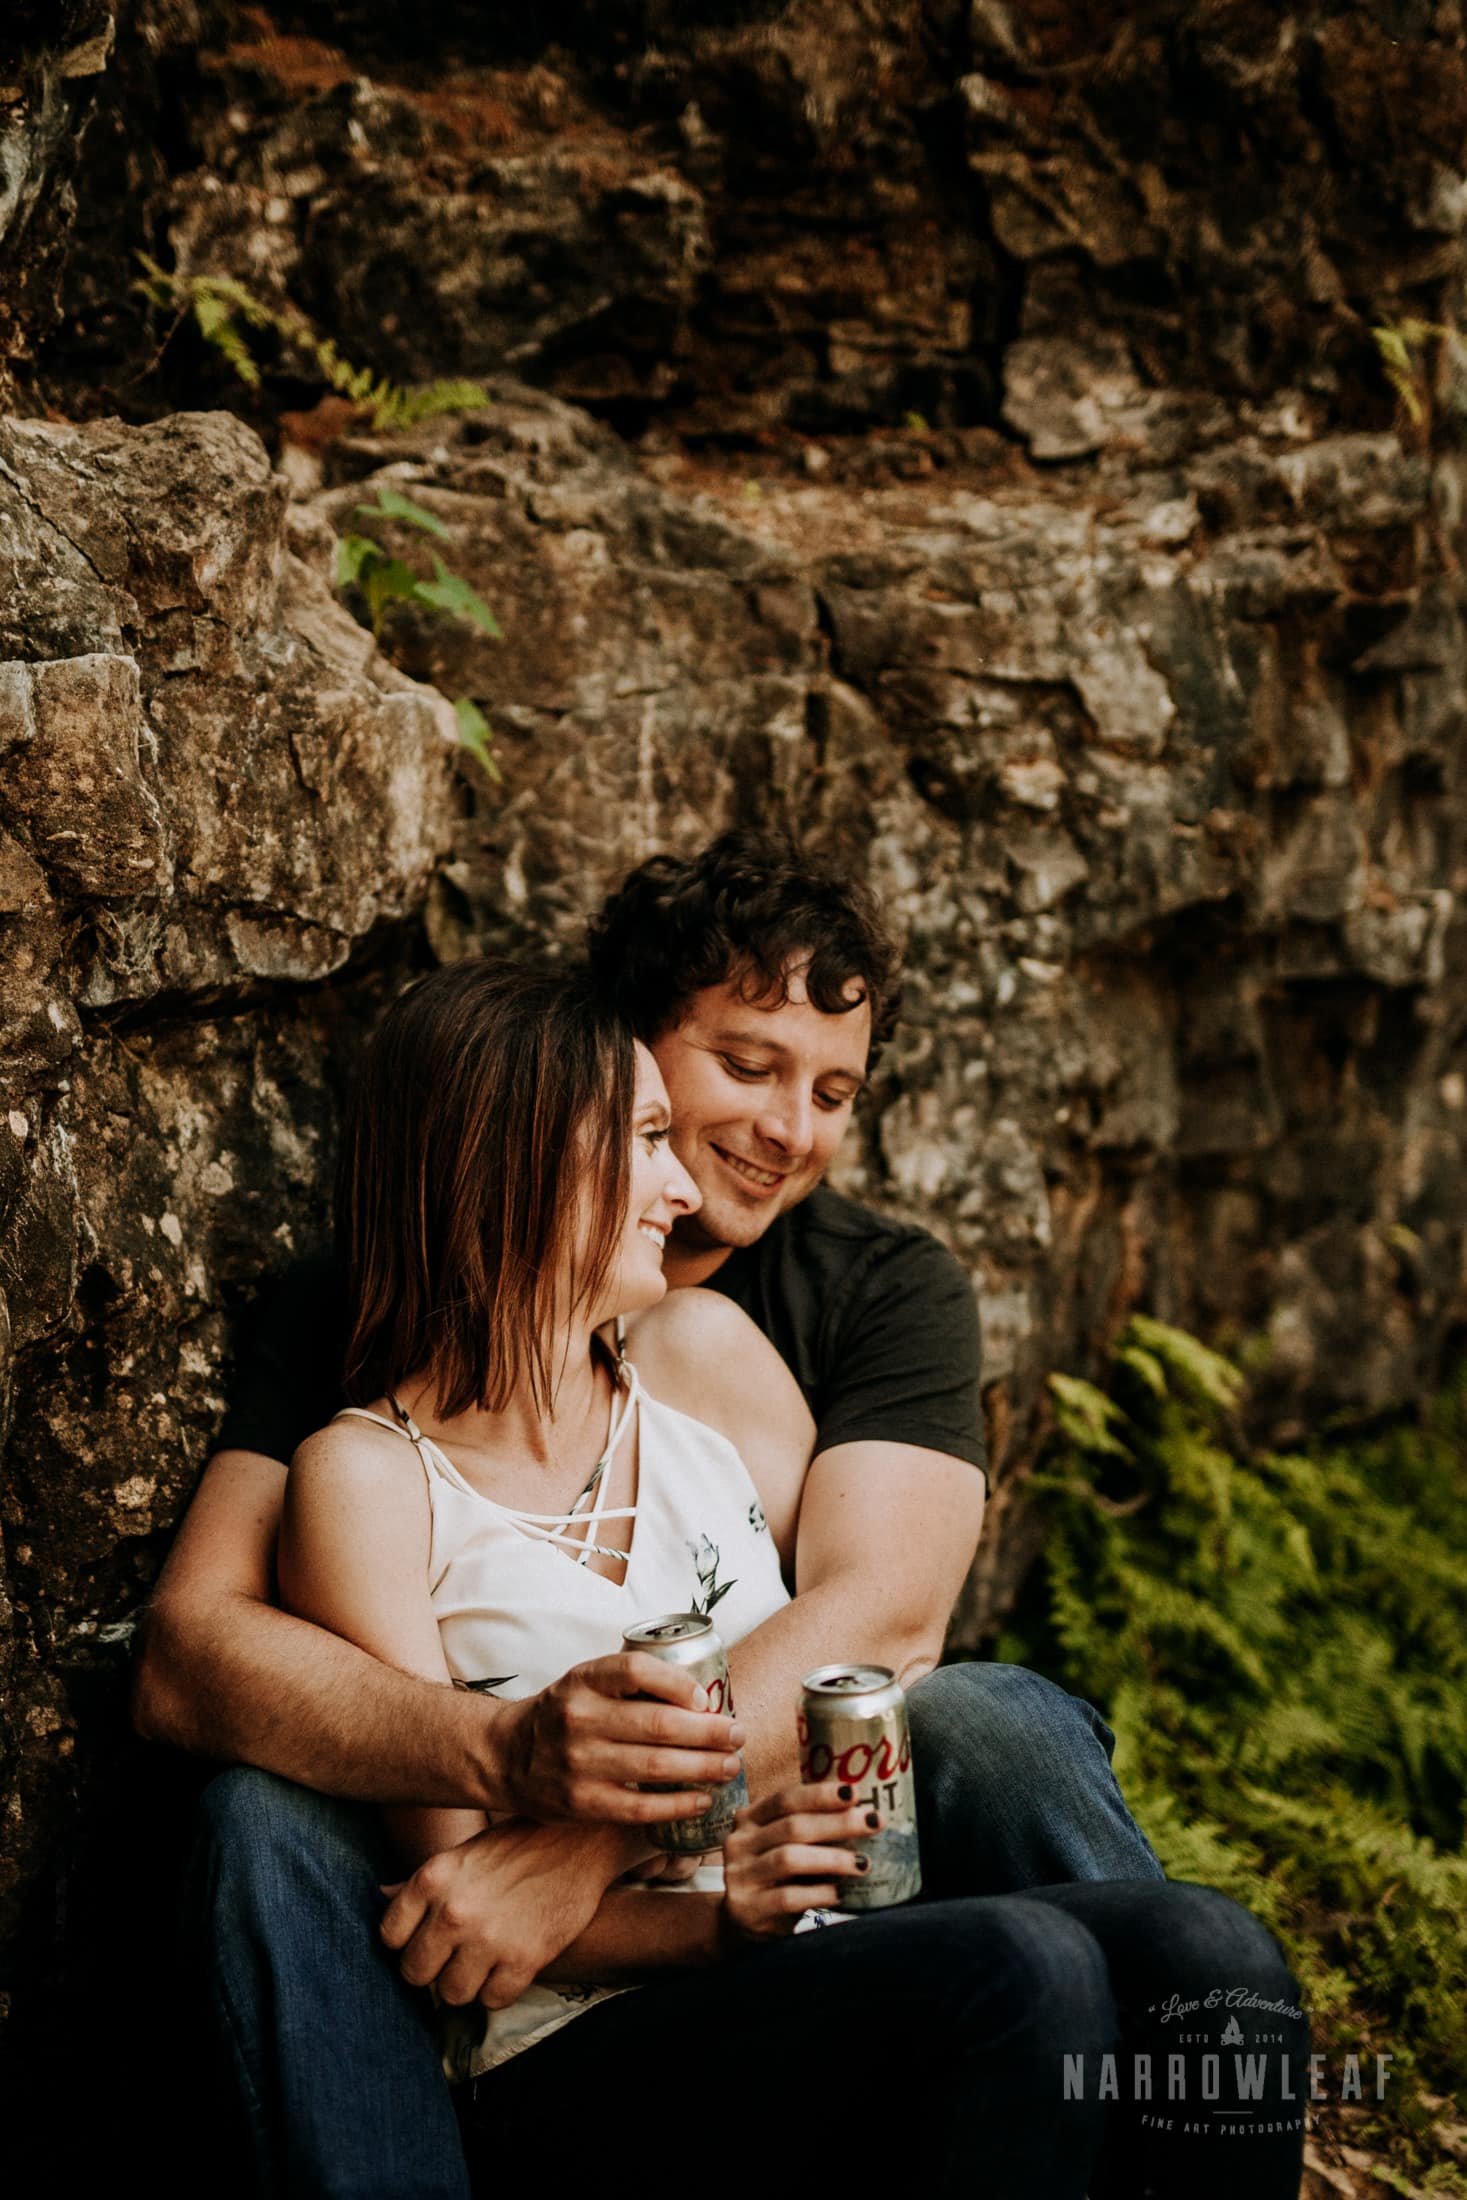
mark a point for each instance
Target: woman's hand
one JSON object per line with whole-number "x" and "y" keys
{"x": 583, "y": 1747}
{"x": 783, "y": 1857}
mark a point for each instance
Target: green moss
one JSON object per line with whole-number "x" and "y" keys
{"x": 1280, "y": 1642}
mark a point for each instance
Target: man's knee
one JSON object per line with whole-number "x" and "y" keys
{"x": 254, "y": 1827}
{"x": 1004, "y": 1709}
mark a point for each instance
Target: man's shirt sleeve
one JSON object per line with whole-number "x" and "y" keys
{"x": 288, "y": 1374}
{"x": 906, "y": 1367}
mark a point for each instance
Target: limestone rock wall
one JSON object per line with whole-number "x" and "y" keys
{"x": 953, "y": 431}
{"x": 213, "y": 792}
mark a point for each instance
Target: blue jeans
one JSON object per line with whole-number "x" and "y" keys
{"x": 925, "y": 2049}
{"x": 1014, "y": 1786}
{"x": 329, "y": 2061}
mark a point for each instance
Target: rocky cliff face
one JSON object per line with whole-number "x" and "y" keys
{"x": 956, "y": 433}
{"x": 1168, "y": 813}
{"x": 213, "y": 792}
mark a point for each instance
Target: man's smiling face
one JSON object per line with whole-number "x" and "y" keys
{"x": 761, "y": 1096}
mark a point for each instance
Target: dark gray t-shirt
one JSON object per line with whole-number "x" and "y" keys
{"x": 875, "y": 1319}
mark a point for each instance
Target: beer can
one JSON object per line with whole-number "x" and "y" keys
{"x": 853, "y": 1728}
{"x": 690, "y": 1640}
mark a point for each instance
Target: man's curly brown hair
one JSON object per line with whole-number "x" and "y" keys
{"x": 750, "y": 908}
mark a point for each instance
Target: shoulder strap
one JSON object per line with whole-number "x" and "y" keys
{"x": 406, "y": 1427}
{"x": 378, "y": 1420}
{"x": 623, "y": 1410}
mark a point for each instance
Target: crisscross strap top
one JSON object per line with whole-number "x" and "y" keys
{"x": 542, "y": 1527}
{"x": 517, "y": 1602}
{"x": 513, "y": 1615}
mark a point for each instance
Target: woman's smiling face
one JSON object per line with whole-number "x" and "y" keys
{"x": 661, "y": 1191}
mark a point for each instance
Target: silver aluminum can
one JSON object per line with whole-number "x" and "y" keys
{"x": 689, "y": 1640}
{"x": 853, "y": 1728}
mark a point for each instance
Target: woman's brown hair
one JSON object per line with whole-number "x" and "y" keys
{"x": 490, "y": 1096}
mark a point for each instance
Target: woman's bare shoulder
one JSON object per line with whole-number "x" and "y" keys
{"x": 701, "y": 1354}
{"x": 352, "y": 1446}
{"x": 695, "y": 1321}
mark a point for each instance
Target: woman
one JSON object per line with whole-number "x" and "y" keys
{"x": 509, "y": 1496}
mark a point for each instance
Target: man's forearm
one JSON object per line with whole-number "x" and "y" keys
{"x": 254, "y": 1685}
{"x": 819, "y": 1627}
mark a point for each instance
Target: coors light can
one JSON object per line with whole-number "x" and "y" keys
{"x": 853, "y": 1728}
{"x": 689, "y": 1640}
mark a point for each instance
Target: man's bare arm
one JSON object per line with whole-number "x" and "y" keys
{"x": 886, "y": 1535}
{"x": 226, "y": 1674}
{"x": 881, "y": 1534}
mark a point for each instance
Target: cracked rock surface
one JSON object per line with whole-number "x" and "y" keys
{"x": 213, "y": 791}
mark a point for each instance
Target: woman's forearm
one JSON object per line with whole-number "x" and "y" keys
{"x": 637, "y": 1931}
{"x": 419, "y": 1832}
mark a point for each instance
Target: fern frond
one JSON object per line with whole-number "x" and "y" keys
{"x": 407, "y": 407}
{"x": 1202, "y": 1374}
{"x": 216, "y": 324}
{"x": 1091, "y": 1420}
{"x": 220, "y": 302}
{"x": 1278, "y": 1640}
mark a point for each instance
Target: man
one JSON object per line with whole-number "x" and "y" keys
{"x": 764, "y": 986}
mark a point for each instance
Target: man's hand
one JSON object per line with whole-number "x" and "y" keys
{"x": 482, "y": 1921}
{"x": 580, "y": 1748}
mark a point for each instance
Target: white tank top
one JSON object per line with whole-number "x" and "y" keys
{"x": 516, "y": 1609}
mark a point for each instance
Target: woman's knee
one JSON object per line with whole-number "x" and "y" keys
{"x": 1210, "y": 1943}
{"x": 1048, "y": 1972}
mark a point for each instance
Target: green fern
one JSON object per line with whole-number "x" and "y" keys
{"x": 217, "y": 326}
{"x": 431, "y": 400}
{"x": 1425, "y": 399}
{"x": 223, "y": 309}
{"x": 475, "y": 737}
{"x": 1199, "y": 1374}
{"x": 1278, "y": 1640}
